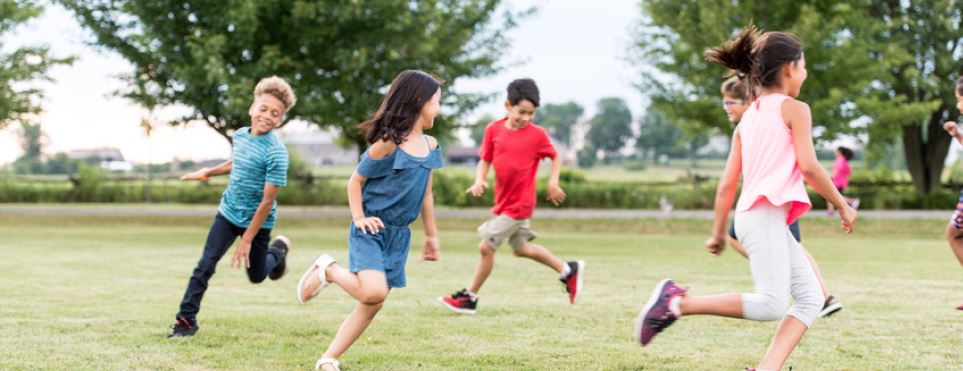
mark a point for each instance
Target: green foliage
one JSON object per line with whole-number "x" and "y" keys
{"x": 559, "y": 119}
{"x": 890, "y": 63}
{"x": 19, "y": 100}
{"x": 611, "y": 126}
{"x": 339, "y": 56}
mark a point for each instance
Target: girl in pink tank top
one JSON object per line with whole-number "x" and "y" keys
{"x": 772, "y": 149}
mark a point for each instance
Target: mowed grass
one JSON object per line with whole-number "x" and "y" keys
{"x": 101, "y": 292}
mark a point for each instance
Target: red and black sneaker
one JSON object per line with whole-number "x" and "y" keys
{"x": 183, "y": 327}
{"x": 573, "y": 283}
{"x": 656, "y": 315}
{"x": 460, "y": 302}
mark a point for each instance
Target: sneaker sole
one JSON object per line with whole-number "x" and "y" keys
{"x": 578, "y": 281}
{"x": 831, "y": 309}
{"x": 653, "y": 300}
{"x": 452, "y": 308}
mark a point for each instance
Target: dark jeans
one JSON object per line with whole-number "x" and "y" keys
{"x": 219, "y": 240}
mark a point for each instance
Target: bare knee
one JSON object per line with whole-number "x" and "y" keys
{"x": 485, "y": 250}
{"x": 952, "y": 233}
{"x": 374, "y": 297}
{"x": 523, "y": 251}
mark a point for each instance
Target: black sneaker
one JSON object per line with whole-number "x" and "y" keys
{"x": 183, "y": 327}
{"x": 830, "y": 307}
{"x": 460, "y": 302}
{"x": 282, "y": 243}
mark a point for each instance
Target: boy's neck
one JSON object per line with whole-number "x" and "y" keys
{"x": 255, "y": 133}
{"x": 509, "y": 126}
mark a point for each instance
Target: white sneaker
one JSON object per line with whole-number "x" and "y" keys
{"x": 322, "y": 262}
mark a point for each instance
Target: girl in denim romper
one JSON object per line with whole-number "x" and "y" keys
{"x": 386, "y": 192}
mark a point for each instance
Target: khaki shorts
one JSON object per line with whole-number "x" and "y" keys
{"x": 500, "y": 228}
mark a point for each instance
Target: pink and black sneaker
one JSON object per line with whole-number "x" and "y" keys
{"x": 657, "y": 315}
{"x": 573, "y": 283}
{"x": 960, "y": 307}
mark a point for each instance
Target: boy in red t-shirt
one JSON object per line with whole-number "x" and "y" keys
{"x": 514, "y": 145}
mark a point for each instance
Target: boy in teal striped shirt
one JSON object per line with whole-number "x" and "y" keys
{"x": 258, "y": 168}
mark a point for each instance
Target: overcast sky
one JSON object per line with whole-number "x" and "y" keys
{"x": 574, "y": 49}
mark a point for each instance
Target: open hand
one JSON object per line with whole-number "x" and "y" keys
{"x": 201, "y": 175}
{"x": 371, "y": 225}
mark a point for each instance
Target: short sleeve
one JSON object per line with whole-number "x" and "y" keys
{"x": 371, "y": 169}
{"x": 545, "y": 146}
{"x": 487, "y": 149}
{"x": 277, "y": 166}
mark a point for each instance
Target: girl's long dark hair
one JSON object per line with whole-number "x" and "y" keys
{"x": 401, "y": 107}
{"x": 757, "y": 56}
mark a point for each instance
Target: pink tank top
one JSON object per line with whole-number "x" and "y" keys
{"x": 769, "y": 168}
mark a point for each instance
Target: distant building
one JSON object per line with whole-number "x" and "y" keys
{"x": 108, "y": 158}
{"x": 319, "y": 148}
{"x": 463, "y": 155}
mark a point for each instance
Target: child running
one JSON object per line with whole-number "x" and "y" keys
{"x": 736, "y": 100}
{"x": 954, "y": 231}
{"x": 841, "y": 173}
{"x": 772, "y": 149}
{"x": 514, "y": 145}
{"x": 385, "y": 193}
{"x": 259, "y": 168}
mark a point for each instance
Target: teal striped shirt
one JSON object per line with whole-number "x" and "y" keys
{"x": 258, "y": 160}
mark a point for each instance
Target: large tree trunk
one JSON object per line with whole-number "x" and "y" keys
{"x": 925, "y": 158}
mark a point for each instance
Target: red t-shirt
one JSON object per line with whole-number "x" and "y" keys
{"x": 515, "y": 155}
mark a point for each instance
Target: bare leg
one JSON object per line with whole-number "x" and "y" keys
{"x": 819, "y": 275}
{"x": 736, "y": 245}
{"x": 726, "y": 305}
{"x": 542, "y": 255}
{"x": 373, "y": 290}
{"x": 788, "y": 335}
{"x": 484, "y": 269}
{"x": 955, "y": 238}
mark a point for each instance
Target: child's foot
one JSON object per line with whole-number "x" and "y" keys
{"x": 460, "y": 302}
{"x": 314, "y": 279}
{"x": 960, "y": 307}
{"x": 657, "y": 313}
{"x": 282, "y": 243}
{"x": 830, "y": 307}
{"x": 329, "y": 364}
{"x": 573, "y": 283}
{"x": 183, "y": 327}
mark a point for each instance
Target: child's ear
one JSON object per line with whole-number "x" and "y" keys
{"x": 508, "y": 105}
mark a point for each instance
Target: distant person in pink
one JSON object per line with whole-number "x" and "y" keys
{"x": 841, "y": 173}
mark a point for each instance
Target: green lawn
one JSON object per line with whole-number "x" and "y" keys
{"x": 100, "y": 293}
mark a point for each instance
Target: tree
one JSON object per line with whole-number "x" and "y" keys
{"x": 559, "y": 119}
{"x": 889, "y": 62}
{"x": 18, "y": 98}
{"x": 658, "y": 137}
{"x": 339, "y": 56}
{"x": 478, "y": 128}
{"x": 611, "y": 127}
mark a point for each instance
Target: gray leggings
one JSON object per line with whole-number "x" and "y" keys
{"x": 779, "y": 267}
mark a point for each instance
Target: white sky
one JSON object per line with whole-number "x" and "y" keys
{"x": 574, "y": 49}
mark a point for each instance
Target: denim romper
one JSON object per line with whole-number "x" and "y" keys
{"x": 393, "y": 192}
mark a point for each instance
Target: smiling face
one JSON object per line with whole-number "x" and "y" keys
{"x": 267, "y": 113}
{"x": 520, "y": 114}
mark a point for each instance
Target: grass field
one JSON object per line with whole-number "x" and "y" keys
{"x": 100, "y": 293}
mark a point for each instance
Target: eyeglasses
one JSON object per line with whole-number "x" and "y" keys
{"x": 729, "y": 103}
